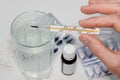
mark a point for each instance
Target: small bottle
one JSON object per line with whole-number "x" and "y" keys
{"x": 68, "y": 60}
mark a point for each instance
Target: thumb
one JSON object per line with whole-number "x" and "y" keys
{"x": 98, "y": 48}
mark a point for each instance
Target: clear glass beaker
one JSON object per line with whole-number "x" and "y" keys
{"x": 33, "y": 44}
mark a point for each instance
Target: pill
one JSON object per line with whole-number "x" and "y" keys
{"x": 104, "y": 68}
{"x": 59, "y": 42}
{"x": 55, "y": 50}
{"x": 69, "y": 41}
{"x": 110, "y": 44}
{"x": 66, "y": 37}
{"x": 97, "y": 69}
{"x": 56, "y": 38}
{"x": 88, "y": 52}
{"x": 89, "y": 72}
{"x": 81, "y": 54}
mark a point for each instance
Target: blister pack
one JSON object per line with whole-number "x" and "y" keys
{"x": 93, "y": 66}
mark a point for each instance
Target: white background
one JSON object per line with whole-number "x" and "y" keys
{"x": 66, "y": 11}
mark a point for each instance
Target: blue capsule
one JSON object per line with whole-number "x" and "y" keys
{"x": 55, "y": 50}
{"x": 59, "y": 42}
{"x": 66, "y": 37}
{"x": 56, "y": 39}
{"x": 69, "y": 41}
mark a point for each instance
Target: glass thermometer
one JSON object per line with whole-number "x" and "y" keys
{"x": 97, "y": 31}
{"x": 81, "y": 30}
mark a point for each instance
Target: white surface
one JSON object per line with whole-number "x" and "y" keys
{"x": 11, "y": 72}
{"x": 66, "y": 11}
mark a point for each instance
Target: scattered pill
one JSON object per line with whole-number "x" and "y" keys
{"x": 59, "y": 42}
{"x": 66, "y": 37}
{"x": 55, "y": 50}
{"x": 69, "y": 41}
{"x": 56, "y": 38}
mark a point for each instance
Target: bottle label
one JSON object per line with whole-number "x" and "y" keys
{"x": 68, "y": 69}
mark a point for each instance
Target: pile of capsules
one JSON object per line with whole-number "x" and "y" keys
{"x": 61, "y": 40}
{"x": 92, "y": 65}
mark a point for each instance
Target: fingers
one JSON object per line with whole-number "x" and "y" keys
{"x": 103, "y": 8}
{"x": 112, "y": 20}
{"x": 103, "y": 21}
{"x": 97, "y": 47}
{"x": 110, "y": 7}
{"x": 99, "y": 1}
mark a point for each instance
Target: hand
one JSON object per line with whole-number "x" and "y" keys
{"x": 111, "y": 9}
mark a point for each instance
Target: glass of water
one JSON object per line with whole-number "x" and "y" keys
{"x": 33, "y": 44}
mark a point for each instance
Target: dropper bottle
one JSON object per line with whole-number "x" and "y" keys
{"x": 68, "y": 59}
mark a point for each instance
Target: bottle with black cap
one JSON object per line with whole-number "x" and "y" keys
{"x": 68, "y": 60}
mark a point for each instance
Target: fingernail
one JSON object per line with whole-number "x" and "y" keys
{"x": 84, "y": 6}
{"x": 82, "y": 22}
{"x": 92, "y": 1}
{"x": 85, "y": 41}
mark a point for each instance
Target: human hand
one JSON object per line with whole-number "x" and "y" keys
{"x": 112, "y": 19}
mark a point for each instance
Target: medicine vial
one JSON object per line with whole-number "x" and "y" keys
{"x": 68, "y": 59}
